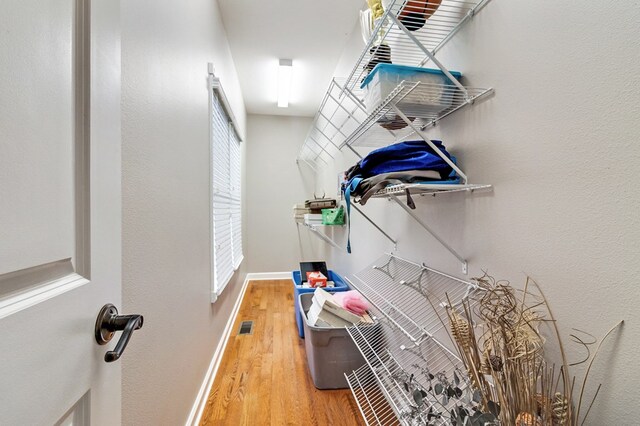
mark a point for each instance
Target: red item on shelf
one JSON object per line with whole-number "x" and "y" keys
{"x": 316, "y": 279}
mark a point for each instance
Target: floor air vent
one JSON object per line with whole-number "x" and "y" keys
{"x": 246, "y": 327}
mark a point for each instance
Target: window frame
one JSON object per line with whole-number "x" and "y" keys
{"x": 225, "y": 187}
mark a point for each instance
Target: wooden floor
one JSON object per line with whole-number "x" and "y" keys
{"x": 263, "y": 378}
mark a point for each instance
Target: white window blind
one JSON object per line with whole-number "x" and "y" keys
{"x": 226, "y": 195}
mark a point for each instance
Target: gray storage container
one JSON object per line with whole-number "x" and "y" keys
{"x": 330, "y": 351}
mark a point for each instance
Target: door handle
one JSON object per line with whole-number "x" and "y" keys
{"x": 108, "y": 322}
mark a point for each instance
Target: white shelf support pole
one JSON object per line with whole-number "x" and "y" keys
{"x": 433, "y": 234}
{"x": 431, "y": 144}
{"x": 395, "y": 243}
{"x": 354, "y": 151}
{"x": 322, "y": 236}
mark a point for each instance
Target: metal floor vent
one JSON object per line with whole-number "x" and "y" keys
{"x": 246, "y": 327}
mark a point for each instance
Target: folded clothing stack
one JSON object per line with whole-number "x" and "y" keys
{"x": 299, "y": 210}
{"x": 400, "y": 163}
{"x": 404, "y": 162}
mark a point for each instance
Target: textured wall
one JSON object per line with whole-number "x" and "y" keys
{"x": 559, "y": 143}
{"x": 166, "y": 246}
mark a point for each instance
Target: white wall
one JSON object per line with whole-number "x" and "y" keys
{"x": 166, "y": 246}
{"x": 274, "y": 184}
{"x": 559, "y": 143}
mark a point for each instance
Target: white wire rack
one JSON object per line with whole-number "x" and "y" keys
{"x": 339, "y": 114}
{"x": 400, "y": 368}
{"x": 417, "y": 47}
{"x": 409, "y": 109}
{"x": 371, "y": 400}
{"x": 342, "y": 118}
{"x": 411, "y": 296}
{"x": 405, "y": 353}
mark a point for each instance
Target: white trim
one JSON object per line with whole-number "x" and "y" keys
{"x": 40, "y": 294}
{"x": 237, "y": 265}
{"x": 201, "y": 400}
{"x": 214, "y": 83}
{"x": 259, "y": 276}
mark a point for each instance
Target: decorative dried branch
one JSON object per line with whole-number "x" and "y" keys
{"x": 500, "y": 338}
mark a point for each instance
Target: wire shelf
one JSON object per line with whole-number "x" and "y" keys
{"x": 340, "y": 113}
{"x": 370, "y": 397}
{"x": 342, "y": 118}
{"x": 423, "y": 104}
{"x": 410, "y": 48}
{"x": 411, "y": 296}
{"x": 405, "y": 352}
{"x": 401, "y": 368}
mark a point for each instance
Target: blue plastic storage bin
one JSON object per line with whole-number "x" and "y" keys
{"x": 340, "y": 285}
{"x": 435, "y": 94}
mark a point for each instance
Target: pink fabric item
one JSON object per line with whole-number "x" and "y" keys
{"x": 352, "y": 301}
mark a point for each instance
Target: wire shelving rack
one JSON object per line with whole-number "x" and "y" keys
{"x": 414, "y": 48}
{"x": 371, "y": 399}
{"x": 409, "y": 109}
{"x": 342, "y": 119}
{"x": 407, "y": 353}
{"x": 341, "y": 112}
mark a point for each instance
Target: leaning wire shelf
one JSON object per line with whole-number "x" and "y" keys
{"x": 401, "y": 368}
{"x": 411, "y": 296}
{"x": 371, "y": 399}
{"x": 408, "y": 353}
{"x": 411, "y": 47}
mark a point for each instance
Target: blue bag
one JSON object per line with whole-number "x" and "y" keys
{"x": 399, "y": 157}
{"x": 410, "y": 155}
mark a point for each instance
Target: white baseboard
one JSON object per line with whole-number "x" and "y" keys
{"x": 257, "y": 276}
{"x": 201, "y": 400}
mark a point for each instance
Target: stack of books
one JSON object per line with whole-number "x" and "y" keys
{"x": 313, "y": 219}
{"x": 325, "y": 312}
{"x": 299, "y": 210}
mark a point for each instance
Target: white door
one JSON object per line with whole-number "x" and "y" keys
{"x": 59, "y": 210}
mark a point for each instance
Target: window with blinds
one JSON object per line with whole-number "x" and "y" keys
{"x": 226, "y": 195}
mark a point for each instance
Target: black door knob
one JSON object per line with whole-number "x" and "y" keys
{"x": 108, "y": 322}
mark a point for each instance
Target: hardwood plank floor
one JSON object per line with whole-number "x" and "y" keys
{"x": 263, "y": 378}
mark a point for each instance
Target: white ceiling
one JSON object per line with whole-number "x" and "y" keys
{"x": 312, "y": 33}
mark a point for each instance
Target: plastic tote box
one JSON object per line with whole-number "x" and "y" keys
{"x": 339, "y": 283}
{"x": 330, "y": 351}
{"x": 434, "y": 94}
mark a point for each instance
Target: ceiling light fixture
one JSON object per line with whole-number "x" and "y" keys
{"x": 284, "y": 82}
